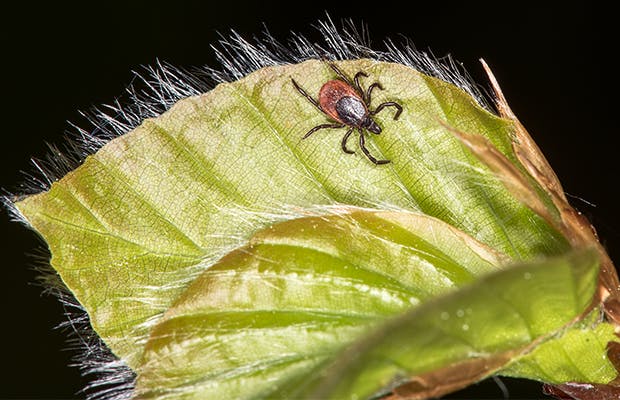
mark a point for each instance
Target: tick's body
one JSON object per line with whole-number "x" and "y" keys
{"x": 342, "y": 103}
{"x": 345, "y": 102}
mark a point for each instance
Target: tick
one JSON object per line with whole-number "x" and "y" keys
{"x": 345, "y": 102}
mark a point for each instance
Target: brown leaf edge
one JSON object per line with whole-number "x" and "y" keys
{"x": 571, "y": 223}
{"x": 581, "y": 391}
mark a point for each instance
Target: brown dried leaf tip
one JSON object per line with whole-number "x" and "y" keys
{"x": 570, "y": 222}
{"x": 573, "y": 225}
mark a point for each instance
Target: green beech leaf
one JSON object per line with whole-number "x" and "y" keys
{"x": 220, "y": 255}
{"x": 577, "y": 355}
{"x": 303, "y": 311}
{"x": 140, "y": 219}
{"x": 443, "y": 344}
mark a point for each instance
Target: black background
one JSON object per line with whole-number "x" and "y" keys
{"x": 553, "y": 64}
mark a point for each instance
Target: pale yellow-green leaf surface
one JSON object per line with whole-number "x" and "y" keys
{"x": 139, "y": 226}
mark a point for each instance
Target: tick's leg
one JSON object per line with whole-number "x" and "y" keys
{"x": 365, "y": 150}
{"x": 322, "y": 126}
{"x": 369, "y": 91}
{"x": 306, "y": 95}
{"x": 399, "y": 108}
{"x": 340, "y": 73}
{"x": 356, "y": 80}
{"x": 344, "y": 142}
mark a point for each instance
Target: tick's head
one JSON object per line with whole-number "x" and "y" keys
{"x": 372, "y": 126}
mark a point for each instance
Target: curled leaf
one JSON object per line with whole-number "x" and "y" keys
{"x": 304, "y": 311}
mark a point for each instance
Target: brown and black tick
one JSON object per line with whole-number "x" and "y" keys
{"x": 345, "y": 102}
